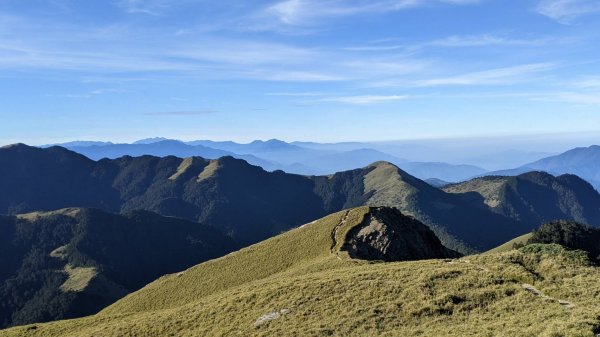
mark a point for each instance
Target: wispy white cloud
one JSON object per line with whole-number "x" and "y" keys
{"x": 567, "y": 11}
{"x": 302, "y": 76}
{"x": 587, "y": 83}
{"x": 364, "y": 99}
{"x": 304, "y": 12}
{"x": 226, "y": 58}
{"x": 150, "y": 7}
{"x": 192, "y": 57}
{"x": 507, "y": 75}
{"x": 460, "y": 41}
{"x": 120, "y": 52}
{"x": 295, "y": 94}
{"x": 91, "y": 93}
{"x": 584, "y": 90}
{"x": 486, "y": 40}
{"x": 181, "y": 113}
{"x": 573, "y": 97}
{"x": 386, "y": 66}
{"x": 243, "y": 52}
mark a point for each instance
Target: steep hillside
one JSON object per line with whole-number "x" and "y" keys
{"x": 534, "y": 198}
{"x": 308, "y": 248}
{"x": 512, "y": 244}
{"x": 74, "y": 262}
{"x": 305, "y": 283}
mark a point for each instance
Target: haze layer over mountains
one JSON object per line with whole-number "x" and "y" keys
{"x": 439, "y": 161}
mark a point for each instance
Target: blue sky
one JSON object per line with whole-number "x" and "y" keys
{"x": 321, "y": 70}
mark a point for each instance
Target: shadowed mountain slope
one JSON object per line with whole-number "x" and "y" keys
{"x": 74, "y": 262}
{"x": 242, "y": 200}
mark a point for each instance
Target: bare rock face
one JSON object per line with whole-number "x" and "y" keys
{"x": 388, "y": 235}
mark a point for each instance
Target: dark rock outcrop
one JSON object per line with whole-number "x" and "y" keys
{"x": 388, "y": 235}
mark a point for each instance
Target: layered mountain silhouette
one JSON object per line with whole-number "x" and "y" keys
{"x": 299, "y": 158}
{"x": 251, "y": 204}
{"x": 159, "y": 147}
{"x": 74, "y": 262}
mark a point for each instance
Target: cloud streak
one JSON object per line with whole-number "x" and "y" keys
{"x": 567, "y": 11}
{"x": 306, "y": 12}
{"x": 498, "y": 76}
{"x": 181, "y": 113}
{"x": 364, "y": 99}
{"x": 149, "y": 7}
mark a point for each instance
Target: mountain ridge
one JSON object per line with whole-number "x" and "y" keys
{"x": 274, "y": 154}
{"x": 535, "y": 197}
{"x": 244, "y": 201}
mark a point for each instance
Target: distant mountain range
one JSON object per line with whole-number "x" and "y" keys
{"x": 74, "y": 262}
{"x": 309, "y": 158}
{"x": 297, "y": 157}
{"x": 582, "y": 161}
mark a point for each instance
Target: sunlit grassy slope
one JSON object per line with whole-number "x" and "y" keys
{"x": 297, "y": 284}
{"x": 510, "y": 245}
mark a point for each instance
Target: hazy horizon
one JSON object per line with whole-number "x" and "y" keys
{"x": 488, "y": 152}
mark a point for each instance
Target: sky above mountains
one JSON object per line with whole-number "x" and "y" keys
{"x": 327, "y": 70}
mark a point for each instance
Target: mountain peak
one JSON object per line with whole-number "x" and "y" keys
{"x": 17, "y": 146}
{"x": 270, "y": 145}
{"x": 382, "y": 164}
{"x": 269, "y": 141}
{"x": 151, "y": 140}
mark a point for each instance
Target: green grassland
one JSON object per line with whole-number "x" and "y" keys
{"x": 300, "y": 284}
{"x": 518, "y": 241}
